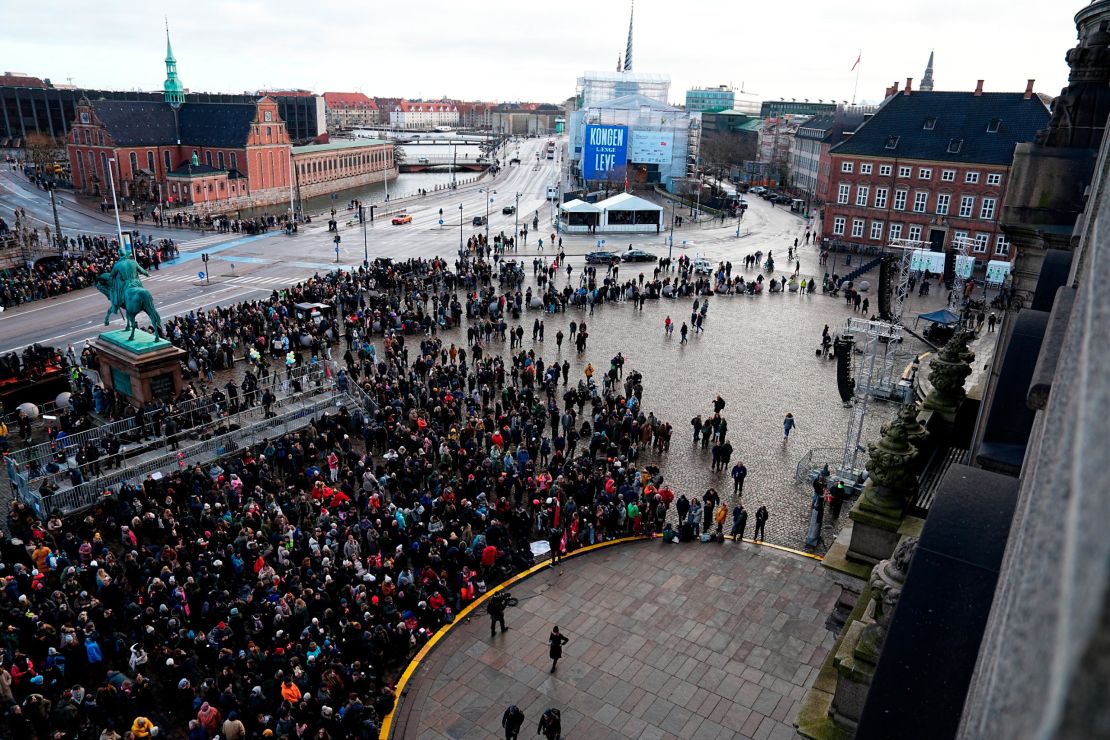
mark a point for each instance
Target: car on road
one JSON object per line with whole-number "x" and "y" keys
{"x": 509, "y": 210}
{"x": 514, "y": 160}
{"x": 783, "y": 200}
{"x": 758, "y": 190}
{"x": 602, "y": 258}
{"x": 702, "y": 266}
{"x": 478, "y": 221}
{"x": 402, "y": 218}
{"x": 638, "y": 255}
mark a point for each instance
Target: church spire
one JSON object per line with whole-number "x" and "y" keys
{"x": 628, "y": 48}
{"x": 173, "y": 90}
{"x": 927, "y": 79}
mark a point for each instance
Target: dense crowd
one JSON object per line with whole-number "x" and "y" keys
{"x": 278, "y": 592}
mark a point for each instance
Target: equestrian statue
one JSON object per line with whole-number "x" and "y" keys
{"x": 125, "y": 293}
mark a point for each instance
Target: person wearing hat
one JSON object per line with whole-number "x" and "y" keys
{"x": 512, "y": 720}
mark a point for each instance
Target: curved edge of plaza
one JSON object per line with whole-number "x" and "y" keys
{"x": 665, "y": 641}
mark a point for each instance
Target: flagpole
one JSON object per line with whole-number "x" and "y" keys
{"x": 859, "y": 63}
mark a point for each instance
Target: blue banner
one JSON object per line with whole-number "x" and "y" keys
{"x": 605, "y": 152}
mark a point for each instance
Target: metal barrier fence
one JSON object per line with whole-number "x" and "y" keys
{"x": 44, "y": 452}
{"x": 86, "y": 494}
{"x": 240, "y": 419}
{"x": 816, "y": 459}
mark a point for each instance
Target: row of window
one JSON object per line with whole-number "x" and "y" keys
{"x": 987, "y": 206}
{"x": 971, "y": 177}
{"x": 913, "y": 233}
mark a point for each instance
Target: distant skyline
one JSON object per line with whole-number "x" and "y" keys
{"x": 503, "y": 51}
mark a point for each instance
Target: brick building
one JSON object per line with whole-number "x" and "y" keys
{"x": 814, "y": 139}
{"x": 350, "y": 110}
{"x": 930, "y": 166}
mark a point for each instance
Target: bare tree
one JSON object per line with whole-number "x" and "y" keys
{"x": 42, "y": 150}
{"x": 721, "y": 150}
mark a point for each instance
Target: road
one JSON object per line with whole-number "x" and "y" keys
{"x": 250, "y": 267}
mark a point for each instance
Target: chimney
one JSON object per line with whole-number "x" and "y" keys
{"x": 1029, "y": 89}
{"x": 978, "y": 88}
{"x": 909, "y": 86}
{"x": 890, "y": 91}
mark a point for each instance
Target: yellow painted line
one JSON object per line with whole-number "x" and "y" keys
{"x": 398, "y": 690}
{"x": 791, "y": 550}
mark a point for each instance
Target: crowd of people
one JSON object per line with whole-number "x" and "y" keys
{"x": 278, "y": 591}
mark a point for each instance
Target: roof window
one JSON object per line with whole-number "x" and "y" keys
{"x": 994, "y": 125}
{"x": 955, "y": 145}
{"x": 892, "y": 142}
{"x": 930, "y": 123}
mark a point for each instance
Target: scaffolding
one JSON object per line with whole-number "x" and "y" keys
{"x": 962, "y": 248}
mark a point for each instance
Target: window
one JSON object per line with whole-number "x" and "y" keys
{"x": 880, "y": 197}
{"x": 905, "y": 171}
{"x": 958, "y": 238}
{"x": 134, "y": 160}
{"x": 967, "y": 205}
{"x": 942, "y": 203}
{"x": 862, "y": 192}
{"x": 899, "y": 200}
{"x": 981, "y": 241}
{"x": 234, "y": 162}
{"x": 930, "y": 123}
{"x": 885, "y": 170}
{"x": 857, "y": 227}
{"x": 896, "y": 231}
{"x": 876, "y": 230}
{"x": 269, "y": 132}
{"x": 150, "y": 162}
{"x": 948, "y": 175}
{"x": 924, "y": 173}
{"x": 892, "y": 142}
{"x": 838, "y": 226}
{"x": 914, "y": 234}
{"x": 971, "y": 178}
{"x": 994, "y": 178}
{"x": 865, "y": 168}
{"x": 955, "y": 145}
{"x": 1001, "y": 246}
{"x": 993, "y": 126}
{"x": 268, "y": 116}
{"x": 166, "y": 160}
{"x": 986, "y": 210}
{"x": 842, "y": 193}
{"x": 847, "y": 166}
{"x": 208, "y": 158}
{"x": 221, "y": 160}
{"x": 920, "y": 199}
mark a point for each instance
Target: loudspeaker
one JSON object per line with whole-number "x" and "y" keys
{"x": 886, "y": 285}
{"x": 845, "y": 383}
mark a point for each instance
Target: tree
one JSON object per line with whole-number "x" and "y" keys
{"x": 721, "y": 150}
{"x": 42, "y": 150}
{"x": 398, "y": 153}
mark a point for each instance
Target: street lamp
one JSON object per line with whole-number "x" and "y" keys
{"x": 489, "y": 199}
{"x": 516, "y": 219}
{"x": 365, "y": 249}
{"x": 115, "y": 205}
{"x": 57, "y": 224}
{"x": 461, "y": 253}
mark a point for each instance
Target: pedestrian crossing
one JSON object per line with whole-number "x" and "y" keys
{"x": 253, "y": 280}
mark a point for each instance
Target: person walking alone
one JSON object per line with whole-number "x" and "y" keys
{"x": 551, "y": 724}
{"x": 512, "y": 720}
{"x": 788, "y": 425}
{"x": 556, "y": 640}
{"x": 761, "y": 517}
{"x": 496, "y": 611}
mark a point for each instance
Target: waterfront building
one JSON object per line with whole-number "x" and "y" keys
{"x": 347, "y": 110}
{"x": 710, "y": 99}
{"x": 423, "y": 115}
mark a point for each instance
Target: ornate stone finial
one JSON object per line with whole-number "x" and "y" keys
{"x": 915, "y": 430}
{"x": 887, "y": 580}
{"x": 888, "y": 463}
{"x": 947, "y": 373}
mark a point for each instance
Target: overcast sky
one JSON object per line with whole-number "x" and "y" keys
{"x": 528, "y": 50}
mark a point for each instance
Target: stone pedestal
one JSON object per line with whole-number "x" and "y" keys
{"x": 874, "y": 527}
{"x": 143, "y": 369}
{"x": 855, "y": 662}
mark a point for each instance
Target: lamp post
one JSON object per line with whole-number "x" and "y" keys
{"x": 461, "y": 253}
{"x": 57, "y": 223}
{"x": 115, "y": 205}
{"x": 670, "y": 239}
{"x": 454, "y": 165}
{"x": 365, "y": 248}
{"x": 516, "y": 219}
{"x": 489, "y": 199}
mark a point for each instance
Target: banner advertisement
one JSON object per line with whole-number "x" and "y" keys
{"x": 651, "y": 147}
{"x": 997, "y": 271}
{"x": 965, "y": 264}
{"x": 605, "y": 152}
{"x": 925, "y": 260}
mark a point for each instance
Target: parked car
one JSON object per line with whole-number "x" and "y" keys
{"x": 758, "y": 190}
{"x": 702, "y": 266}
{"x": 478, "y": 221}
{"x": 602, "y": 258}
{"x": 509, "y": 210}
{"x": 783, "y": 200}
{"x": 638, "y": 255}
{"x": 514, "y": 160}
{"x": 402, "y": 218}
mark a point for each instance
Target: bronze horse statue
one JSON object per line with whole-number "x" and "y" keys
{"x": 136, "y": 300}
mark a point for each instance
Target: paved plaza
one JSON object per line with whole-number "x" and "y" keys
{"x": 666, "y": 641}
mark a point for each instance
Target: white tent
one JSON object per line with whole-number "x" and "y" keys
{"x": 578, "y": 215}
{"x": 578, "y": 206}
{"x": 627, "y": 212}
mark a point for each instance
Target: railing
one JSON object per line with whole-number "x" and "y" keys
{"x": 88, "y": 493}
{"x": 239, "y": 419}
{"x": 44, "y": 451}
{"x": 816, "y": 459}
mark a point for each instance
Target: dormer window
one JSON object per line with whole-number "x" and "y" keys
{"x": 892, "y": 142}
{"x": 930, "y": 123}
{"x": 994, "y": 125}
{"x": 955, "y": 145}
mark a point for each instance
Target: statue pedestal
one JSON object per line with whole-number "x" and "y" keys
{"x": 143, "y": 369}
{"x": 875, "y": 523}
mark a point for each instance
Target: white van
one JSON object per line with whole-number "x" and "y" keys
{"x": 553, "y": 192}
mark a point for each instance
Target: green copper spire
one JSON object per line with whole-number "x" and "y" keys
{"x": 174, "y": 90}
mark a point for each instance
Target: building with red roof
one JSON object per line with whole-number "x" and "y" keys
{"x": 346, "y": 110}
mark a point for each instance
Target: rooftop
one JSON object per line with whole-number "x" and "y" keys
{"x": 335, "y": 145}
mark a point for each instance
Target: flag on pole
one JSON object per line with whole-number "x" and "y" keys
{"x": 853, "y": 69}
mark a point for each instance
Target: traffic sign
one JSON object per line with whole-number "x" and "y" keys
{"x": 201, "y": 275}
{"x": 441, "y": 222}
